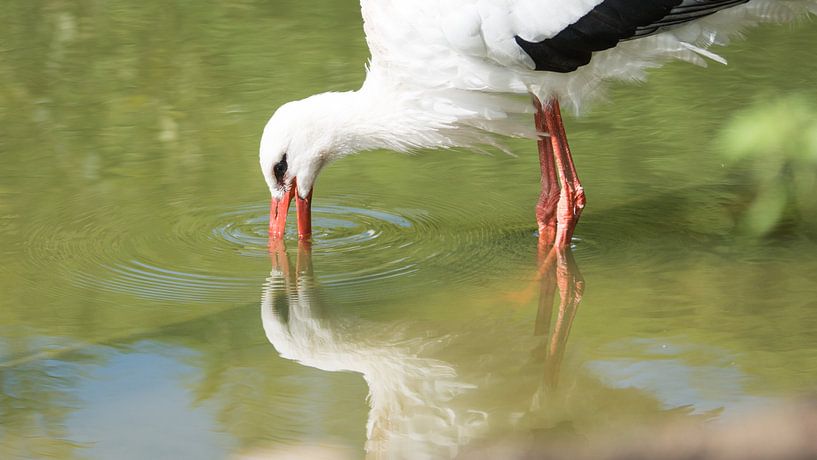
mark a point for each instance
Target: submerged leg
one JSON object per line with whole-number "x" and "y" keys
{"x": 569, "y": 198}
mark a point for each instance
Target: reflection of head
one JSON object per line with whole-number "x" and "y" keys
{"x": 413, "y": 398}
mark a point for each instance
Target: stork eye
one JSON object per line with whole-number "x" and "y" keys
{"x": 280, "y": 169}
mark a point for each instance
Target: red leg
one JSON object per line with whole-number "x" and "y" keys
{"x": 570, "y": 199}
{"x": 549, "y": 197}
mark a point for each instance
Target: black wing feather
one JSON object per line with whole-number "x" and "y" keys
{"x": 611, "y": 22}
{"x": 688, "y": 10}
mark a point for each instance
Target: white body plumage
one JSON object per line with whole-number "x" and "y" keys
{"x": 448, "y": 73}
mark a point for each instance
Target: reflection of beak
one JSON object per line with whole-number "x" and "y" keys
{"x": 278, "y": 214}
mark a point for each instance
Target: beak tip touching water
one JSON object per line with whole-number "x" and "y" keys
{"x": 278, "y": 214}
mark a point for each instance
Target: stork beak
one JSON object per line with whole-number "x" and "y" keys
{"x": 278, "y": 214}
{"x": 303, "y": 207}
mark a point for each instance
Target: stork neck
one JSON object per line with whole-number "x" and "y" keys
{"x": 382, "y": 117}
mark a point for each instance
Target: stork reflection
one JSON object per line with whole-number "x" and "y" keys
{"x": 410, "y": 394}
{"x": 419, "y": 402}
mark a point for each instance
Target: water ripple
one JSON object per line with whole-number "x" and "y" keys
{"x": 156, "y": 283}
{"x": 215, "y": 255}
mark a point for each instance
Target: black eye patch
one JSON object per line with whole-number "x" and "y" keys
{"x": 280, "y": 169}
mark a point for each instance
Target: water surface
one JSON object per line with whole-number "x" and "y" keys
{"x": 143, "y": 316}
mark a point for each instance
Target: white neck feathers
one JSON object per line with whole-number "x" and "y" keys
{"x": 383, "y": 115}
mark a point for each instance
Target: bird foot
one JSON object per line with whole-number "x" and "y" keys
{"x": 557, "y": 215}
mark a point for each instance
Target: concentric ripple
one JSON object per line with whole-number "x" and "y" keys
{"x": 335, "y": 227}
{"x": 357, "y": 248}
{"x": 221, "y": 255}
{"x": 156, "y": 283}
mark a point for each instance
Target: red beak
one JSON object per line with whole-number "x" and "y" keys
{"x": 278, "y": 214}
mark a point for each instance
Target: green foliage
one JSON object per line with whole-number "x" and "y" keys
{"x": 776, "y": 141}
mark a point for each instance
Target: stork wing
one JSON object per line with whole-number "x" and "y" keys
{"x": 503, "y": 46}
{"x": 411, "y": 37}
{"x": 461, "y": 43}
{"x": 688, "y": 10}
{"x": 611, "y": 22}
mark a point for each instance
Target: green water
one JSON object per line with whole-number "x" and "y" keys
{"x": 141, "y": 315}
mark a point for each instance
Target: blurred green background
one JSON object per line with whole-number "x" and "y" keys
{"x": 133, "y": 214}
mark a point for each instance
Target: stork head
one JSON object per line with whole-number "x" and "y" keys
{"x": 297, "y": 143}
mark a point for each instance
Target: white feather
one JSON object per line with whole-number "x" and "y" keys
{"x": 469, "y": 44}
{"x": 448, "y": 73}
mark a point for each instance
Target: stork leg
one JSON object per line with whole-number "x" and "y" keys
{"x": 549, "y": 197}
{"x": 560, "y": 204}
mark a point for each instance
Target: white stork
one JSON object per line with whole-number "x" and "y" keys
{"x": 448, "y": 73}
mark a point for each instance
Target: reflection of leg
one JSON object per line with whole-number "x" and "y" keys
{"x": 570, "y": 199}
{"x": 571, "y": 290}
{"x": 557, "y": 270}
{"x": 547, "y": 285}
